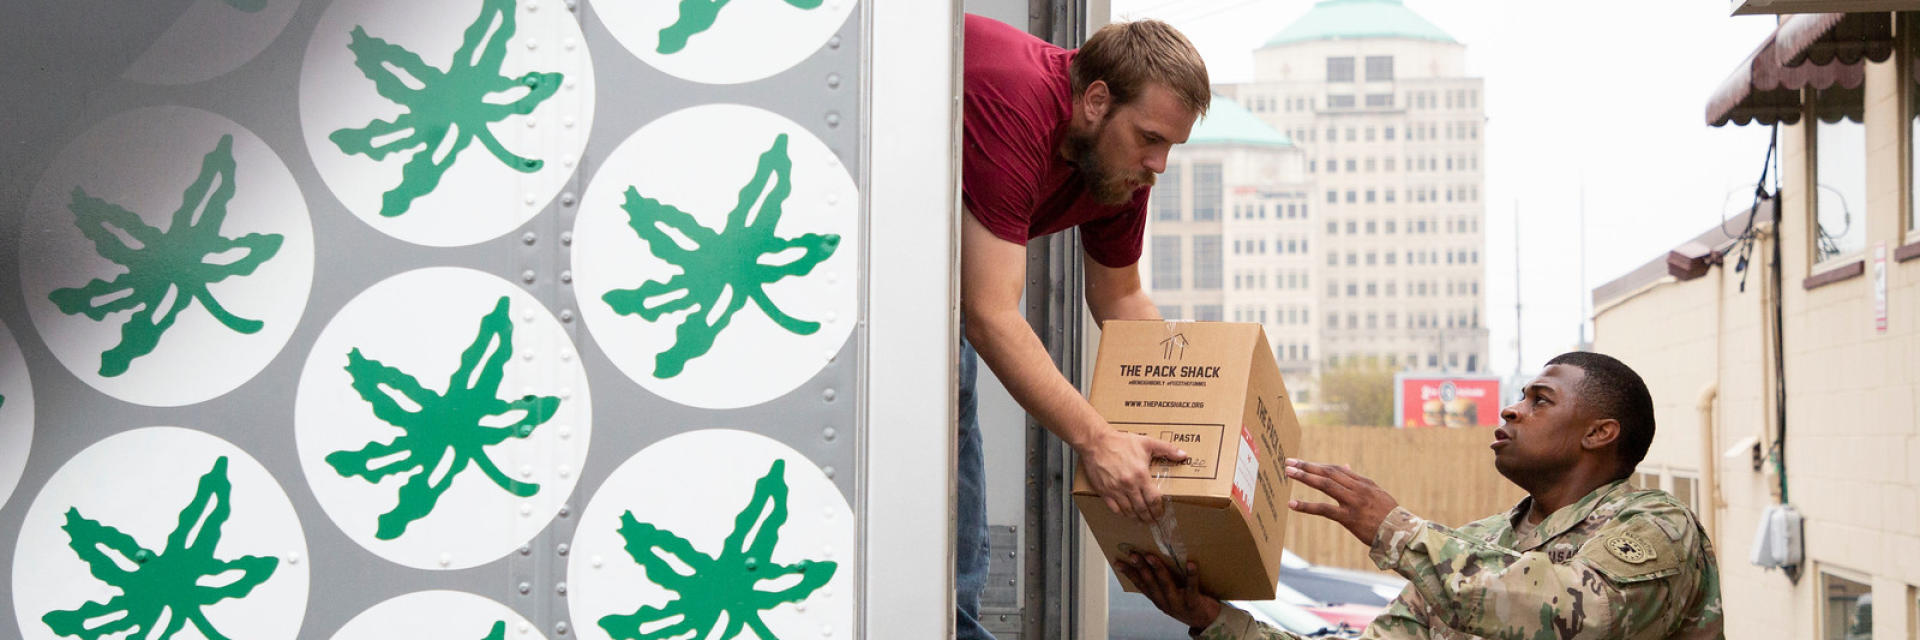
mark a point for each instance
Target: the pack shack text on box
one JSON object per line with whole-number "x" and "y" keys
{"x": 1213, "y": 389}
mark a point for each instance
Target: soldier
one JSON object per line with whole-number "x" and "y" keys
{"x": 1583, "y": 556}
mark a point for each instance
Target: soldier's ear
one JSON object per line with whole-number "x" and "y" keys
{"x": 1600, "y": 434}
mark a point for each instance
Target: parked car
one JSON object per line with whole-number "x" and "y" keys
{"x": 1333, "y": 585}
{"x": 1131, "y": 616}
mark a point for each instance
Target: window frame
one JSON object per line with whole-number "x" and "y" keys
{"x": 1215, "y": 198}
{"x": 1349, "y": 74}
{"x": 1823, "y": 571}
{"x": 1845, "y": 259}
{"x": 1367, "y": 64}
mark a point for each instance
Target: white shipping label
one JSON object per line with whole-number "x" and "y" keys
{"x": 1246, "y": 473}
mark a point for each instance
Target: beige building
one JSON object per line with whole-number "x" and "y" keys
{"x": 1379, "y": 100}
{"x": 1230, "y": 236}
{"x": 1796, "y": 384}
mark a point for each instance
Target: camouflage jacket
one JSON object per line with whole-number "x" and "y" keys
{"x": 1619, "y": 563}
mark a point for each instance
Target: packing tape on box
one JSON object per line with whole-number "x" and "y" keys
{"x": 1166, "y": 529}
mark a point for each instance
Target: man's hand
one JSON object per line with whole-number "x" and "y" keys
{"x": 1116, "y": 463}
{"x": 1178, "y": 596}
{"x": 1362, "y": 506}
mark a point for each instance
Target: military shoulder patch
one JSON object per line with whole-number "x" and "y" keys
{"x": 1630, "y": 549}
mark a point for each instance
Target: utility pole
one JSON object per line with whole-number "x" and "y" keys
{"x": 1584, "y": 294}
{"x": 1517, "y": 352}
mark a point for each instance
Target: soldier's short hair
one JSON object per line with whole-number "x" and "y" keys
{"x": 1612, "y": 390}
{"x": 1131, "y": 55}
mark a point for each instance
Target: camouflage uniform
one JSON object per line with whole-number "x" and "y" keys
{"x": 1619, "y": 563}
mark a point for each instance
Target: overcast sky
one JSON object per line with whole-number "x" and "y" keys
{"x": 1610, "y": 95}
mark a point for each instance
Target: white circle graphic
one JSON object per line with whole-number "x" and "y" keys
{"x": 164, "y": 516}
{"x": 724, "y": 42}
{"x": 679, "y": 224}
{"x": 751, "y": 537}
{"x": 446, "y": 122}
{"x": 454, "y": 615}
{"x": 167, "y": 256}
{"x": 442, "y": 418}
{"x": 211, "y": 38}
{"x": 16, "y": 414}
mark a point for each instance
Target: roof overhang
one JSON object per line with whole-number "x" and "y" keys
{"x": 1807, "y": 51}
{"x": 1767, "y": 7}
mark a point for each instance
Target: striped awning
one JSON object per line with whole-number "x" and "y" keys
{"x": 1823, "y": 51}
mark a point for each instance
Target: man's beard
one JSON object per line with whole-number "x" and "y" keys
{"x": 1104, "y": 183}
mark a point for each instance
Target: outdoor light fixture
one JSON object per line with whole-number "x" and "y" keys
{"x": 1691, "y": 260}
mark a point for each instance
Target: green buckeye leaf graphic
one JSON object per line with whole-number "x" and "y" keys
{"x": 697, "y": 16}
{"x": 446, "y": 110}
{"x": 722, "y": 270}
{"x": 173, "y": 584}
{"x": 165, "y": 270}
{"x": 447, "y": 424}
{"x": 724, "y": 585}
{"x": 499, "y": 631}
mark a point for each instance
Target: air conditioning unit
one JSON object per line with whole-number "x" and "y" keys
{"x": 1777, "y": 543}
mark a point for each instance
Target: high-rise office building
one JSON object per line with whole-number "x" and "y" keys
{"x": 1378, "y": 100}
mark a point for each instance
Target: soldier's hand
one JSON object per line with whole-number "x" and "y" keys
{"x": 1175, "y": 594}
{"x": 1116, "y": 466}
{"x": 1361, "y": 504}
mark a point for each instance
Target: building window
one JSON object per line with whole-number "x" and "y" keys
{"x": 1340, "y": 69}
{"x": 1379, "y": 68}
{"x": 1352, "y": 165}
{"x": 1370, "y": 195}
{"x": 1166, "y": 263}
{"x": 1912, "y": 26}
{"x": 1380, "y": 100}
{"x": 1389, "y": 137}
{"x": 1686, "y": 489}
{"x": 1169, "y": 311}
{"x": 1846, "y": 606}
{"x": 1351, "y": 194}
{"x": 1840, "y": 158}
{"x": 1207, "y": 312}
{"x": 1390, "y": 257}
{"x": 1369, "y": 160}
{"x": 1206, "y": 262}
{"x": 1337, "y": 101}
{"x": 1166, "y": 196}
{"x": 1332, "y": 196}
{"x": 1206, "y": 191}
{"x": 1389, "y": 197}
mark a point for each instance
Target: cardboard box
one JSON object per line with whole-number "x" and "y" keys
{"x": 1214, "y": 389}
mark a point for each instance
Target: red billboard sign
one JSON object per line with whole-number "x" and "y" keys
{"x": 1432, "y": 400}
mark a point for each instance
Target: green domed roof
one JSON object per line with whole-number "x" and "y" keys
{"x": 1227, "y": 122}
{"x": 1354, "y": 19}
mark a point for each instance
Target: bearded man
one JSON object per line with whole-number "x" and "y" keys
{"x": 1057, "y": 139}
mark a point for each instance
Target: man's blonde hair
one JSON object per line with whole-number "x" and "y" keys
{"x": 1131, "y": 55}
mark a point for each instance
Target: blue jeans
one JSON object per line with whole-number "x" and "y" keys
{"x": 970, "y": 532}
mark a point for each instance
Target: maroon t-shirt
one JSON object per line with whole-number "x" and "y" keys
{"x": 1017, "y": 102}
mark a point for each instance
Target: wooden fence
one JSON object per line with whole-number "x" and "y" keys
{"x": 1443, "y": 475}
